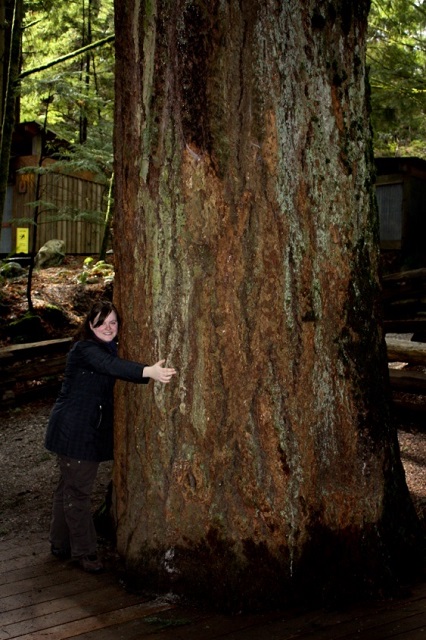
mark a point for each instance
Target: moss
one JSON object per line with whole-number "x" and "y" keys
{"x": 28, "y": 328}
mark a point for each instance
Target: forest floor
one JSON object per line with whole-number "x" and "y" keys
{"x": 61, "y": 297}
{"x": 29, "y": 472}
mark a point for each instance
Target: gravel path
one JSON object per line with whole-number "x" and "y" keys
{"x": 29, "y": 472}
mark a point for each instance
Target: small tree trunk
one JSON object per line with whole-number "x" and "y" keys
{"x": 108, "y": 220}
{"x": 248, "y": 257}
{"x": 36, "y": 212}
{"x": 11, "y": 61}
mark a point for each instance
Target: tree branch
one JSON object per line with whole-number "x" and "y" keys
{"x": 68, "y": 56}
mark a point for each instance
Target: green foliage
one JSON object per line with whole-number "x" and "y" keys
{"x": 73, "y": 97}
{"x": 79, "y": 88}
{"x": 397, "y": 58}
{"x": 92, "y": 273}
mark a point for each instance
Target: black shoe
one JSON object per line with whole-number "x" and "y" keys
{"x": 91, "y": 563}
{"x": 58, "y": 552}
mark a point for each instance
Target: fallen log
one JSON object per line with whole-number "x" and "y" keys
{"x": 408, "y": 381}
{"x": 406, "y": 351}
{"x": 404, "y": 295}
{"x": 405, "y": 276}
{"x": 34, "y": 369}
{"x": 29, "y": 369}
{"x": 15, "y": 352}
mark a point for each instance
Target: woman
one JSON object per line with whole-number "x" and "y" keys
{"x": 80, "y": 429}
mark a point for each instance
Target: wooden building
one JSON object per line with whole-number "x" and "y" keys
{"x": 72, "y": 207}
{"x": 401, "y": 199}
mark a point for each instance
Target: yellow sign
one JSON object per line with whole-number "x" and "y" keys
{"x": 22, "y": 240}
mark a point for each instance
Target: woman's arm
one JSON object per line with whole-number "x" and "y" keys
{"x": 97, "y": 357}
{"x": 158, "y": 372}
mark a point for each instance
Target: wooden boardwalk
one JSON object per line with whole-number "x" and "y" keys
{"x": 42, "y": 598}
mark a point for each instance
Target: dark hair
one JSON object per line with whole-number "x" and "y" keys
{"x": 99, "y": 311}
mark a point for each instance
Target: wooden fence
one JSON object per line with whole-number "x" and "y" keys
{"x": 73, "y": 208}
{"x": 404, "y": 302}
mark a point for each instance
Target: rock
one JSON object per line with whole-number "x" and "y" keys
{"x": 28, "y": 328}
{"x": 11, "y": 270}
{"x": 51, "y": 254}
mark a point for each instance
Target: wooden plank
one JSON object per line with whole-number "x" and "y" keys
{"x": 72, "y": 604}
{"x": 55, "y": 605}
{"x": 411, "y": 626}
{"x": 52, "y": 592}
{"x": 42, "y": 361}
{"x": 23, "y": 561}
{"x": 27, "y": 571}
{"x": 319, "y": 624}
{"x": 19, "y": 564}
{"x": 90, "y": 623}
{"x": 60, "y": 612}
{"x": 83, "y": 615}
{"x": 316, "y": 625}
{"x": 185, "y": 624}
{"x": 62, "y": 575}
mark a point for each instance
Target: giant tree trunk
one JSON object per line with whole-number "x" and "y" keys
{"x": 247, "y": 256}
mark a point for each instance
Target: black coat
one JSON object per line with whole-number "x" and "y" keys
{"x": 81, "y": 422}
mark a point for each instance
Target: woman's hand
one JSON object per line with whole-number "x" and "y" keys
{"x": 158, "y": 372}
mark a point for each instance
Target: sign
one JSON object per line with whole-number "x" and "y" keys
{"x": 22, "y": 235}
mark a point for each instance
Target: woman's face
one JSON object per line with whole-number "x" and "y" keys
{"x": 108, "y": 330}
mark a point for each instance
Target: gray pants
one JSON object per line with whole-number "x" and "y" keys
{"x": 72, "y": 522}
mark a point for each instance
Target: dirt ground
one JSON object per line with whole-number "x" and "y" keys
{"x": 29, "y": 472}
{"x": 61, "y": 297}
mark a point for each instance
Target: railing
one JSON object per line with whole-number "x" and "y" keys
{"x": 30, "y": 370}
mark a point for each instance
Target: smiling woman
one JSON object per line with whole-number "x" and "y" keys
{"x": 108, "y": 330}
{"x": 80, "y": 429}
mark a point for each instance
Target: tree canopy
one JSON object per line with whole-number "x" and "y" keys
{"x": 396, "y": 54}
{"x": 80, "y": 88}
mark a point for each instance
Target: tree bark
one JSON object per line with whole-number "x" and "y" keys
{"x": 247, "y": 255}
{"x": 10, "y": 62}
